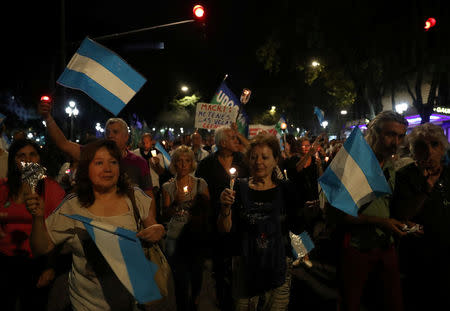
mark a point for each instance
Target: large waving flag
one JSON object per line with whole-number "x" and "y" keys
{"x": 320, "y": 115}
{"x": 123, "y": 252}
{"x": 224, "y": 96}
{"x": 354, "y": 177}
{"x": 102, "y": 75}
{"x": 166, "y": 156}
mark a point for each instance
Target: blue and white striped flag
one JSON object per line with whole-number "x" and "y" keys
{"x": 354, "y": 177}
{"x": 102, "y": 75}
{"x": 123, "y": 252}
{"x": 166, "y": 156}
{"x": 320, "y": 115}
{"x": 301, "y": 244}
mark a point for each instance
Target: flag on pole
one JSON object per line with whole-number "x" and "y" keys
{"x": 166, "y": 156}
{"x": 224, "y": 96}
{"x": 123, "y": 252}
{"x": 320, "y": 115}
{"x": 354, "y": 177}
{"x": 103, "y": 75}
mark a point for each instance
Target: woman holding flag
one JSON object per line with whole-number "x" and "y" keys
{"x": 102, "y": 194}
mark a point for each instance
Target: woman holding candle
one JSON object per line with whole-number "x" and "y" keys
{"x": 257, "y": 215}
{"x": 21, "y": 273}
{"x": 186, "y": 205}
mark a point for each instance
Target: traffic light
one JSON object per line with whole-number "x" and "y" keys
{"x": 46, "y": 99}
{"x": 199, "y": 11}
{"x": 429, "y": 23}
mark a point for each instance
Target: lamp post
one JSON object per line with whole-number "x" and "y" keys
{"x": 72, "y": 111}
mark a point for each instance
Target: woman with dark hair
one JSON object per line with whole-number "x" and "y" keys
{"x": 103, "y": 194}
{"x": 22, "y": 274}
{"x": 258, "y": 217}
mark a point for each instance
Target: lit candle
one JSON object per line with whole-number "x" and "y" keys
{"x": 233, "y": 176}
{"x": 153, "y": 153}
{"x": 285, "y": 174}
{"x": 164, "y": 142}
{"x": 326, "y": 159}
{"x": 185, "y": 189}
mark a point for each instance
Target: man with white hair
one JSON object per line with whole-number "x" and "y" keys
{"x": 117, "y": 130}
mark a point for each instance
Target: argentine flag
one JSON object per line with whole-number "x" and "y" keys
{"x": 123, "y": 252}
{"x": 166, "y": 156}
{"x": 354, "y": 177}
{"x": 319, "y": 113}
{"x": 102, "y": 75}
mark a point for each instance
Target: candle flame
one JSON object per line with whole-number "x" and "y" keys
{"x": 185, "y": 189}
{"x": 232, "y": 171}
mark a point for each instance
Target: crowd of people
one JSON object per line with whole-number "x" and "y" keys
{"x": 227, "y": 203}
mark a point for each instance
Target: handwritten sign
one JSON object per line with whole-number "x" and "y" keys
{"x": 212, "y": 116}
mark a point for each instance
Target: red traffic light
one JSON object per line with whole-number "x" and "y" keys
{"x": 199, "y": 11}
{"x": 431, "y": 22}
{"x": 46, "y": 99}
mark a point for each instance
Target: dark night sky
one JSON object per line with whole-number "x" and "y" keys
{"x": 30, "y": 58}
{"x": 194, "y": 55}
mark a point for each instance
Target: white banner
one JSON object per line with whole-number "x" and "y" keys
{"x": 212, "y": 116}
{"x": 255, "y": 129}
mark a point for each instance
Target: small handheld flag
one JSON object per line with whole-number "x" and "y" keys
{"x": 354, "y": 177}
{"x": 102, "y": 75}
{"x": 166, "y": 156}
{"x": 319, "y": 113}
{"x": 301, "y": 244}
{"x": 123, "y": 252}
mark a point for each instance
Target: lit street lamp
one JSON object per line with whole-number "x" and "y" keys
{"x": 72, "y": 111}
{"x": 343, "y": 112}
{"x": 315, "y": 63}
{"x": 184, "y": 88}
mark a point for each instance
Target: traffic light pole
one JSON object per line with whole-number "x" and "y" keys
{"x": 121, "y": 34}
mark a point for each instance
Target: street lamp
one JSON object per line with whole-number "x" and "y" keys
{"x": 343, "y": 112}
{"x": 272, "y": 110}
{"x": 315, "y": 63}
{"x": 72, "y": 111}
{"x": 184, "y": 88}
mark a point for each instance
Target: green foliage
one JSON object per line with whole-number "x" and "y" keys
{"x": 268, "y": 55}
{"x": 186, "y": 101}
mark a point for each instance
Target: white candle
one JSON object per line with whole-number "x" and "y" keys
{"x": 285, "y": 174}
{"x": 153, "y": 153}
{"x": 233, "y": 176}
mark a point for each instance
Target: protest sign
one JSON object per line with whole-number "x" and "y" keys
{"x": 212, "y": 116}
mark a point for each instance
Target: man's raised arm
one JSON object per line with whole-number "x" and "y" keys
{"x": 70, "y": 148}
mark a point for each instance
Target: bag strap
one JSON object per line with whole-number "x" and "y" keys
{"x": 137, "y": 215}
